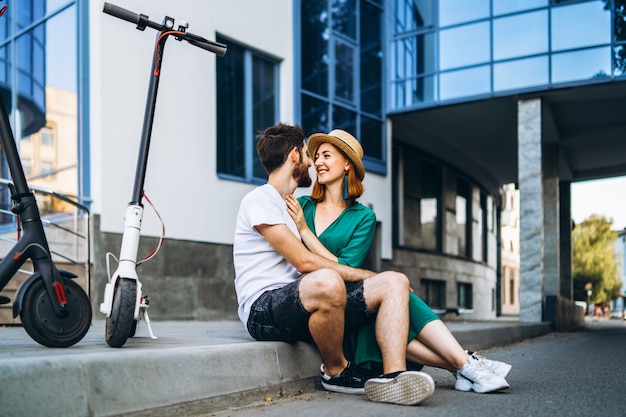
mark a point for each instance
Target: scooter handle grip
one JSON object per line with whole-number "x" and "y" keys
{"x": 120, "y": 13}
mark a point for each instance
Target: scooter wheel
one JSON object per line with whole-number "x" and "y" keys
{"x": 45, "y": 326}
{"x": 119, "y": 325}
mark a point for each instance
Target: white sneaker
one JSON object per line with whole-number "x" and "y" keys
{"x": 481, "y": 379}
{"x": 405, "y": 388}
{"x": 499, "y": 368}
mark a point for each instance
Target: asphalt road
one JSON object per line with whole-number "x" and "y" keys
{"x": 580, "y": 373}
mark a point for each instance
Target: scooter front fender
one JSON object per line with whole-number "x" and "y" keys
{"x": 19, "y": 296}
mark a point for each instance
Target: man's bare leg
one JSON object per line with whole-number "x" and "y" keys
{"x": 323, "y": 294}
{"x": 388, "y": 294}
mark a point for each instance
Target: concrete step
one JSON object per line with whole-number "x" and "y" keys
{"x": 198, "y": 365}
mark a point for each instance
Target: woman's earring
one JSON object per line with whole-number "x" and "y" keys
{"x": 345, "y": 186}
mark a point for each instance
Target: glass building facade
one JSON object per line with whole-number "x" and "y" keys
{"x": 40, "y": 69}
{"x": 449, "y": 50}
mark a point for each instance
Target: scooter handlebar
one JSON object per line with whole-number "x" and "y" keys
{"x": 142, "y": 21}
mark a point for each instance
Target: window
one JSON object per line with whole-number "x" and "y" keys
{"x": 422, "y": 181}
{"x": 482, "y": 227}
{"x": 47, "y": 137}
{"x": 520, "y": 35}
{"x": 341, "y": 70}
{"x": 463, "y": 217}
{"x": 434, "y": 293}
{"x": 458, "y": 11}
{"x": 247, "y": 103}
{"x": 464, "y": 296}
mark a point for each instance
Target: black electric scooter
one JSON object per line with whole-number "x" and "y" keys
{"x": 54, "y": 309}
{"x": 124, "y": 304}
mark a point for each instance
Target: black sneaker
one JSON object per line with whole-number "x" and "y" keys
{"x": 350, "y": 381}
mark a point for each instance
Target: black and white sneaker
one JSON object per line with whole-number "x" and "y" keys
{"x": 349, "y": 381}
{"x": 405, "y": 388}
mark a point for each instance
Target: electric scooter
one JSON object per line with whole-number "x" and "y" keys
{"x": 54, "y": 309}
{"x": 124, "y": 304}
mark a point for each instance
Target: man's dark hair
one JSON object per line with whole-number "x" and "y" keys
{"x": 275, "y": 144}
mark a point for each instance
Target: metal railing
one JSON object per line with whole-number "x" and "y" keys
{"x": 67, "y": 226}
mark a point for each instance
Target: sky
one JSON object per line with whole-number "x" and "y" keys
{"x": 604, "y": 197}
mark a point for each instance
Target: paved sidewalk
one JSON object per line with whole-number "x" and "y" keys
{"x": 203, "y": 365}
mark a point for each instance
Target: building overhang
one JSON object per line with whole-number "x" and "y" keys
{"x": 587, "y": 124}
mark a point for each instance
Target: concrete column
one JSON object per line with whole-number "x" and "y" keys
{"x": 551, "y": 235}
{"x": 565, "y": 230}
{"x": 531, "y": 209}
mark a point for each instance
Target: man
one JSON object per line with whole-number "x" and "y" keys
{"x": 287, "y": 293}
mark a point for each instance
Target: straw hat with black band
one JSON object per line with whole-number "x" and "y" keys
{"x": 344, "y": 141}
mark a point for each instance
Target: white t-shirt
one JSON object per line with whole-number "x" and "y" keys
{"x": 258, "y": 266}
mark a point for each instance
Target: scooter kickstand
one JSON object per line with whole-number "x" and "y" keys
{"x": 143, "y": 312}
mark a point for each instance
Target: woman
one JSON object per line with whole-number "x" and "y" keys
{"x": 334, "y": 225}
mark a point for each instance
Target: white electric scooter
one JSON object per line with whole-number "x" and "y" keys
{"x": 124, "y": 304}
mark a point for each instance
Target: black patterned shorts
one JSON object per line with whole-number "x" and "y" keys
{"x": 279, "y": 315}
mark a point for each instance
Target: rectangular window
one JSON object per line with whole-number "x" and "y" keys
{"x": 422, "y": 190}
{"x": 464, "y": 296}
{"x": 434, "y": 293}
{"x": 247, "y": 103}
{"x": 463, "y": 215}
{"x": 47, "y": 137}
{"x": 482, "y": 227}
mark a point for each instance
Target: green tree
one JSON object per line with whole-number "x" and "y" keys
{"x": 594, "y": 260}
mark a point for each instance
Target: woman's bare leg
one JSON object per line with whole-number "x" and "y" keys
{"x": 436, "y": 337}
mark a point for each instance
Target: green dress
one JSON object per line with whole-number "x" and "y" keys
{"x": 349, "y": 238}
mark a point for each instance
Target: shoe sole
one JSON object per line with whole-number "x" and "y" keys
{"x": 408, "y": 388}
{"x": 342, "y": 389}
{"x": 481, "y": 390}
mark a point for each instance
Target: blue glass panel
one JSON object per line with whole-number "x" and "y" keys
{"x": 619, "y": 60}
{"x": 465, "y": 83}
{"x": 520, "y": 35}
{"x": 4, "y": 67}
{"x": 372, "y": 137}
{"x": 344, "y": 17}
{"x": 414, "y": 14}
{"x": 512, "y": 6}
{"x": 371, "y": 59}
{"x": 581, "y": 65}
{"x": 52, "y": 5}
{"x": 521, "y": 73}
{"x": 61, "y": 64}
{"x": 458, "y": 11}
{"x": 413, "y": 91}
{"x": 344, "y": 72}
{"x": 24, "y": 55}
{"x": 344, "y": 119}
{"x": 314, "y": 115}
{"x": 580, "y": 25}
{"x": 463, "y": 46}
{"x": 619, "y": 21}
{"x": 414, "y": 55}
{"x": 263, "y": 103}
{"x": 231, "y": 104}
{"x": 314, "y": 56}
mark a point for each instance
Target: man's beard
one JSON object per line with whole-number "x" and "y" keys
{"x": 301, "y": 174}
